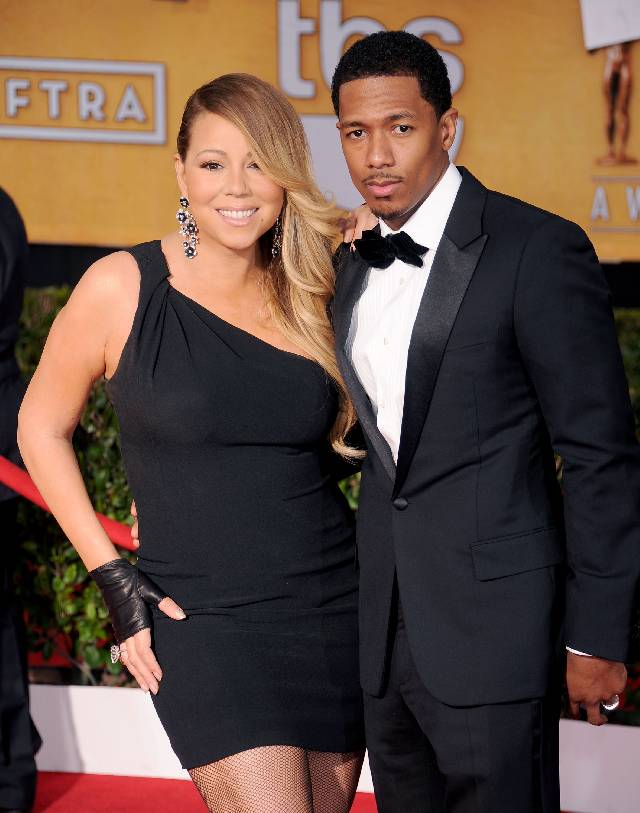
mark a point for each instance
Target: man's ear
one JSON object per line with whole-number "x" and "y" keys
{"x": 448, "y": 123}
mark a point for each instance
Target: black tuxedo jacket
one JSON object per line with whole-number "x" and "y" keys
{"x": 513, "y": 355}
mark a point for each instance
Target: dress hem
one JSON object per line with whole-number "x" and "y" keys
{"x": 263, "y": 741}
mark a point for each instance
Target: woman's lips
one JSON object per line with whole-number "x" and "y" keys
{"x": 237, "y": 217}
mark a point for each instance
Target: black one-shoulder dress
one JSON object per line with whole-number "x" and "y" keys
{"x": 224, "y": 443}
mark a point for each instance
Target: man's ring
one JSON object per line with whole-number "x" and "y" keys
{"x": 613, "y": 705}
{"x": 117, "y": 652}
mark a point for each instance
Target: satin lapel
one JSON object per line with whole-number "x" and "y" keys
{"x": 453, "y": 267}
{"x": 350, "y": 280}
{"x": 350, "y": 283}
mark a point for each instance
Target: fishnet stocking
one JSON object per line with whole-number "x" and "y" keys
{"x": 334, "y": 779}
{"x": 279, "y": 779}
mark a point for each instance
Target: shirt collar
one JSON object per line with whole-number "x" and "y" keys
{"x": 426, "y": 224}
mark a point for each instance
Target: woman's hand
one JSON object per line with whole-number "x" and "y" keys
{"x": 129, "y": 594}
{"x": 356, "y": 222}
{"x": 135, "y": 537}
{"x": 136, "y": 654}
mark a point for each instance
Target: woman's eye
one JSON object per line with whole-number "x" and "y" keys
{"x": 253, "y": 165}
{"x": 211, "y": 165}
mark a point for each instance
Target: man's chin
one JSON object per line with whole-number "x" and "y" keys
{"x": 388, "y": 212}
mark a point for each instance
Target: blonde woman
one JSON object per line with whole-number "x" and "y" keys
{"x": 240, "y": 618}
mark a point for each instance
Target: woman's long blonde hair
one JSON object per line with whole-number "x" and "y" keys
{"x": 299, "y": 283}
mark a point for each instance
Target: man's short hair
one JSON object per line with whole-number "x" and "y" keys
{"x": 395, "y": 53}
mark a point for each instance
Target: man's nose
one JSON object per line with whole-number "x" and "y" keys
{"x": 379, "y": 153}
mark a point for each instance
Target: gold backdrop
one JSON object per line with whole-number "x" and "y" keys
{"x": 91, "y": 95}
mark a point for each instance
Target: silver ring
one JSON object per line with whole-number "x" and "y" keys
{"x": 613, "y": 705}
{"x": 117, "y": 652}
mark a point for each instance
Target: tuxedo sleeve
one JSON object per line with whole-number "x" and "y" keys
{"x": 566, "y": 335}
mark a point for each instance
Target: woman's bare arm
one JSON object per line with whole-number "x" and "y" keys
{"x": 74, "y": 357}
{"x": 86, "y": 340}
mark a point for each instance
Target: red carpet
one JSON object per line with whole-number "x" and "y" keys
{"x": 92, "y": 793}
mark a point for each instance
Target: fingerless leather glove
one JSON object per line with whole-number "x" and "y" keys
{"x": 127, "y": 593}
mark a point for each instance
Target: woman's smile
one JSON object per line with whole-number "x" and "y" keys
{"x": 237, "y": 217}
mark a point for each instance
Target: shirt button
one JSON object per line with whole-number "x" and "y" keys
{"x": 400, "y": 503}
{"x": 385, "y": 341}
{"x": 401, "y": 280}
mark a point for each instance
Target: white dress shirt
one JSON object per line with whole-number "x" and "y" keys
{"x": 383, "y": 317}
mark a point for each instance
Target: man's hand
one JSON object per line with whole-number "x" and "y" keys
{"x": 134, "y": 527}
{"x": 592, "y": 681}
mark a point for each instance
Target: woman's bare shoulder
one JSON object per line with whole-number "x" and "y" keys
{"x": 114, "y": 276}
{"x": 104, "y": 301}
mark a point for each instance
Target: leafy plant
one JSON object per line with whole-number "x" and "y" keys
{"x": 351, "y": 490}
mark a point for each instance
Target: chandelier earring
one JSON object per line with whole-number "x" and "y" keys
{"x": 188, "y": 229}
{"x": 276, "y": 245}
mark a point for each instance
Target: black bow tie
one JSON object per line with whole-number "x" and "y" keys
{"x": 380, "y": 251}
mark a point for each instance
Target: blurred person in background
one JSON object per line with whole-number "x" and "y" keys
{"x": 19, "y": 739}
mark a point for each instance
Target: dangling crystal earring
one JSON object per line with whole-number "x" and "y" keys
{"x": 188, "y": 229}
{"x": 277, "y": 238}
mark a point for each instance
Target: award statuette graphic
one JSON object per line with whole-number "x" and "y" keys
{"x": 617, "y": 86}
{"x": 613, "y": 26}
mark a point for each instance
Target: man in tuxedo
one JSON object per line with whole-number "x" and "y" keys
{"x": 19, "y": 739}
{"x": 475, "y": 335}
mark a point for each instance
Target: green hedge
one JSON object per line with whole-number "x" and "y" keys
{"x": 66, "y": 613}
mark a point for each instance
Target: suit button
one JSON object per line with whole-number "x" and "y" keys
{"x": 400, "y": 503}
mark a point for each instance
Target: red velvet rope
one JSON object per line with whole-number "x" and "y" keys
{"x": 19, "y": 481}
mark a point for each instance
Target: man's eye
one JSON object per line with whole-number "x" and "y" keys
{"x": 356, "y": 134}
{"x": 403, "y": 128}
